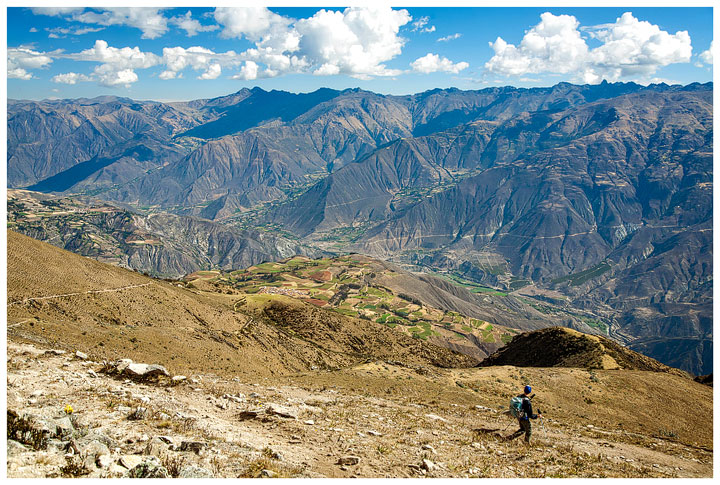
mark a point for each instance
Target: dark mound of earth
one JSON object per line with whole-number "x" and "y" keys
{"x": 707, "y": 380}
{"x": 564, "y": 347}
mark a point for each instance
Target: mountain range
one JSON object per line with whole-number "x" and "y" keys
{"x": 586, "y": 197}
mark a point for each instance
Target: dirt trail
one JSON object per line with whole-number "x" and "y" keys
{"x": 104, "y": 290}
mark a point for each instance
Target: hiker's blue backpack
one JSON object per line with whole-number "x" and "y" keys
{"x": 516, "y": 407}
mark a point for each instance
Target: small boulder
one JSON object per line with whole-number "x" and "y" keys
{"x": 121, "y": 365}
{"x": 63, "y": 427}
{"x": 265, "y": 473}
{"x": 150, "y": 468}
{"x": 193, "y": 471}
{"x": 428, "y": 465}
{"x": 237, "y": 399}
{"x": 144, "y": 371}
{"x": 92, "y": 451}
{"x": 104, "y": 461}
{"x": 156, "y": 447}
{"x": 194, "y": 446}
{"x": 282, "y": 411}
{"x": 81, "y": 355}
{"x": 115, "y": 471}
{"x": 99, "y": 436}
{"x": 138, "y": 414}
{"x": 250, "y": 414}
{"x": 435, "y": 417}
{"x": 15, "y": 448}
{"x": 348, "y": 460}
{"x": 130, "y": 461}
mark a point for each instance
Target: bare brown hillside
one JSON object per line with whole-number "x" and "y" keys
{"x": 564, "y": 347}
{"x": 59, "y": 298}
{"x": 355, "y": 398}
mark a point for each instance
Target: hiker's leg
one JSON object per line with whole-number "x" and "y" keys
{"x": 528, "y": 430}
{"x": 518, "y": 432}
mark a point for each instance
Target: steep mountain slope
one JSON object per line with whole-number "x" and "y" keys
{"x": 327, "y": 128}
{"x": 59, "y": 298}
{"x": 590, "y": 200}
{"x": 160, "y": 244}
{"x": 48, "y": 137}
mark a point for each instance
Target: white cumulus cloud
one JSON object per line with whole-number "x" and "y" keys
{"x": 251, "y": 22}
{"x": 192, "y": 26}
{"x": 149, "y": 20}
{"x": 70, "y": 78}
{"x": 248, "y": 72}
{"x": 213, "y": 72}
{"x": 20, "y": 60}
{"x": 356, "y": 41}
{"x": 707, "y": 56}
{"x": 434, "y": 63}
{"x": 177, "y": 59}
{"x": 117, "y": 64}
{"x": 629, "y": 48}
{"x": 108, "y": 76}
{"x": 18, "y": 73}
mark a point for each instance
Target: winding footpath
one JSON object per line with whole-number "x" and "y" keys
{"x": 106, "y": 290}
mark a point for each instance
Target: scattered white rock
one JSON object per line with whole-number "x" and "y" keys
{"x": 144, "y": 371}
{"x": 237, "y": 399}
{"x": 309, "y": 422}
{"x": 130, "y": 461}
{"x": 193, "y": 471}
{"x": 429, "y": 448}
{"x": 282, "y": 411}
{"x": 435, "y": 417}
{"x": 104, "y": 461}
{"x": 268, "y": 474}
{"x": 81, "y": 355}
{"x": 428, "y": 465}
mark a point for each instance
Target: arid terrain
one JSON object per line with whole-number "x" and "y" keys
{"x": 269, "y": 385}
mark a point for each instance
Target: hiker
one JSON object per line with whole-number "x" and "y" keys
{"x": 524, "y": 414}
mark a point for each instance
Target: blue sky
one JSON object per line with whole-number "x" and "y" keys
{"x": 188, "y": 53}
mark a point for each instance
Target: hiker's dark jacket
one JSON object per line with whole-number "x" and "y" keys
{"x": 527, "y": 408}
